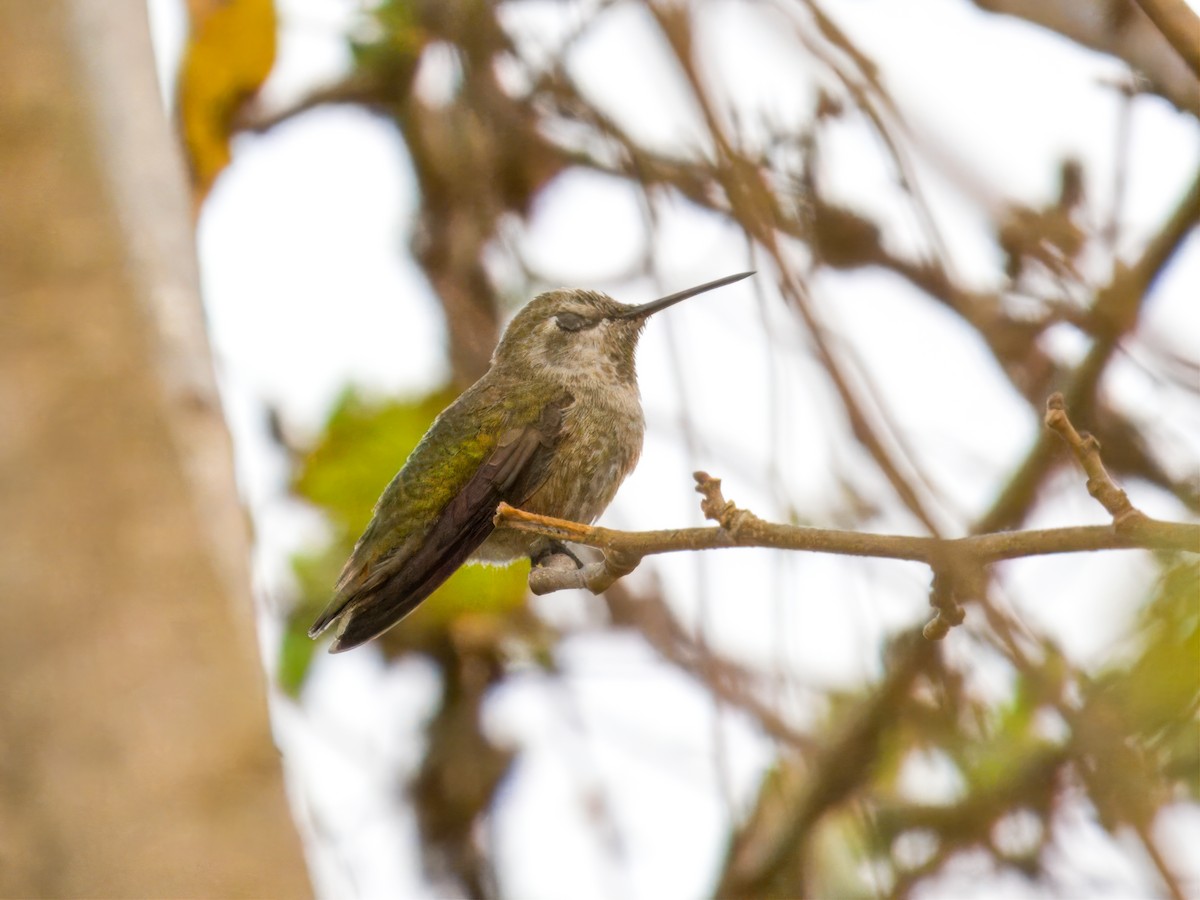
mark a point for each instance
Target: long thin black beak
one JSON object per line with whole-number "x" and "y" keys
{"x": 649, "y": 309}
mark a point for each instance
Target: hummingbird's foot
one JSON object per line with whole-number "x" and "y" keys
{"x": 554, "y": 548}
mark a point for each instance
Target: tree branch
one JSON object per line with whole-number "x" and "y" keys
{"x": 1122, "y": 30}
{"x": 957, "y": 563}
{"x": 1179, "y": 26}
{"x": 358, "y": 90}
{"x": 742, "y": 528}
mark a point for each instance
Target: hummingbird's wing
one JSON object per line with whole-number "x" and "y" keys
{"x": 370, "y": 601}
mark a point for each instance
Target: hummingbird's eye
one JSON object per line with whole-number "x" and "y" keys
{"x": 569, "y": 321}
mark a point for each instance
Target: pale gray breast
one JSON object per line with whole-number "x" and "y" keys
{"x": 601, "y": 443}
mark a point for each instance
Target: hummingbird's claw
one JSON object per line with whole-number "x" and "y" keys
{"x": 554, "y": 548}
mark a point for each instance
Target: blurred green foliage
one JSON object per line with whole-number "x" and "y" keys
{"x": 1126, "y": 732}
{"x": 1153, "y": 690}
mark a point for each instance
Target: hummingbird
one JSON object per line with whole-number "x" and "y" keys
{"x": 553, "y": 427}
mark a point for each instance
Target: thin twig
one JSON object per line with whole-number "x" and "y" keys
{"x": 755, "y": 207}
{"x": 1087, "y": 450}
{"x": 358, "y": 90}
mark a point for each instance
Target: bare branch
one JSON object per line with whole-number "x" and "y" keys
{"x": 358, "y": 90}
{"x": 741, "y": 528}
{"x": 1125, "y": 32}
{"x": 1179, "y": 26}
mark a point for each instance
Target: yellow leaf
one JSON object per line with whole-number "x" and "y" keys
{"x": 229, "y": 54}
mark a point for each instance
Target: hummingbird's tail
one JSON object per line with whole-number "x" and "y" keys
{"x": 387, "y": 596}
{"x": 368, "y": 606}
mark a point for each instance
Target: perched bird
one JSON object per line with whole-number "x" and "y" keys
{"x": 553, "y": 427}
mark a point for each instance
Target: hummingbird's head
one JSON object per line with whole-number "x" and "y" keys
{"x": 583, "y": 334}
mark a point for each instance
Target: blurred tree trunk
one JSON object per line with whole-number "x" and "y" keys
{"x": 135, "y": 751}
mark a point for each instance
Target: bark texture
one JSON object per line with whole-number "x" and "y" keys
{"x": 135, "y": 749}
